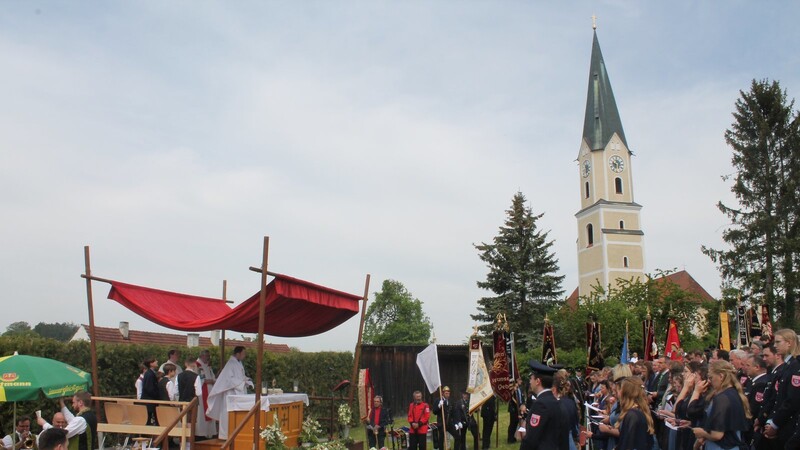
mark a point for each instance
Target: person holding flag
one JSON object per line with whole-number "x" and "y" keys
{"x": 419, "y": 413}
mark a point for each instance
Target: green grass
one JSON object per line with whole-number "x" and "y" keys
{"x": 358, "y": 433}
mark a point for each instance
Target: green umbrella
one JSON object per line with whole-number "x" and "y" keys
{"x": 23, "y": 376}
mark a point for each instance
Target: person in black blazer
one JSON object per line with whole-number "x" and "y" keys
{"x": 545, "y": 423}
{"x": 377, "y": 420}
{"x": 488, "y": 413}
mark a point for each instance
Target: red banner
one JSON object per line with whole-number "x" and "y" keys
{"x": 672, "y": 348}
{"x": 649, "y": 334}
{"x": 499, "y": 374}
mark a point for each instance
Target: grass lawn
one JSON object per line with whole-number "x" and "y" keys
{"x": 359, "y": 434}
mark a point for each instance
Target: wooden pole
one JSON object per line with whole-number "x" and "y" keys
{"x": 262, "y": 300}
{"x": 444, "y": 421}
{"x": 357, "y": 355}
{"x": 222, "y": 334}
{"x": 92, "y": 335}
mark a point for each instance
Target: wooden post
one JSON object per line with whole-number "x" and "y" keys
{"x": 222, "y": 334}
{"x": 262, "y": 300}
{"x": 92, "y": 335}
{"x": 357, "y": 354}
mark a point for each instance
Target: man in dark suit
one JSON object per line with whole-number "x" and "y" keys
{"x": 545, "y": 424}
{"x": 377, "y": 420}
{"x": 488, "y": 413}
{"x": 756, "y": 370}
{"x": 444, "y": 411}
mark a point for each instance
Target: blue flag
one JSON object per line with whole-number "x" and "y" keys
{"x": 624, "y": 357}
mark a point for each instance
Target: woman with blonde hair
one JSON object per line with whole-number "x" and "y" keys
{"x": 727, "y": 411}
{"x": 569, "y": 407}
{"x": 635, "y": 422}
{"x": 786, "y": 412}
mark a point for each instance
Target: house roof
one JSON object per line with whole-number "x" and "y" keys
{"x": 108, "y": 335}
{"x": 602, "y": 117}
{"x": 682, "y": 279}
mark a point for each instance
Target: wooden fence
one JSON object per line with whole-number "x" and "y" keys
{"x": 395, "y": 374}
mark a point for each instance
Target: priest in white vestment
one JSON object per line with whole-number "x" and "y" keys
{"x": 231, "y": 381}
{"x": 205, "y": 426}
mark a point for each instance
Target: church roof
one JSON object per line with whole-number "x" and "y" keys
{"x": 107, "y": 335}
{"x": 682, "y": 279}
{"x": 602, "y": 117}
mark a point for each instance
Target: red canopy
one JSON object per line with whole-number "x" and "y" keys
{"x": 294, "y": 308}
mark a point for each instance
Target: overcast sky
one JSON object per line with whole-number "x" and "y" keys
{"x": 362, "y": 137}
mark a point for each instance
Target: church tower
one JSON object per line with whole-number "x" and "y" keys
{"x": 610, "y": 238}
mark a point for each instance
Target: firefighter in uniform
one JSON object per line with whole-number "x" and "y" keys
{"x": 545, "y": 425}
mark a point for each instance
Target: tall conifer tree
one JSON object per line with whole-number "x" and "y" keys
{"x": 764, "y": 234}
{"x": 522, "y": 275}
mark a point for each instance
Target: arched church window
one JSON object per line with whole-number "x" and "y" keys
{"x": 625, "y": 261}
{"x": 587, "y": 189}
{"x": 590, "y": 235}
{"x": 618, "y": 185}
{"x": 621, "y": 224}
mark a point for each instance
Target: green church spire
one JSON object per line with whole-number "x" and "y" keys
{"x": 602, "y": 117}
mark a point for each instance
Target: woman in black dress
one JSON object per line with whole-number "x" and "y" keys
{"x": 635, "y": 422}
{"x": 727, "y": 411}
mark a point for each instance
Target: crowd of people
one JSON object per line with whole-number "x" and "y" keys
{"x": 79, "y": 426}
{"x": 747, "y": 398}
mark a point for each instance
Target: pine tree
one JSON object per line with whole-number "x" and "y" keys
{"x": 764, "y": 234}
{"x": 522, "y": 275}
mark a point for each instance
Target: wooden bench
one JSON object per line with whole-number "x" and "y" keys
{"x": 129, "y": 416}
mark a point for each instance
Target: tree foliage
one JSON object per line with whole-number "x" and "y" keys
{"x": 629, "y": 302}
{"x": 58, "y": 330}
{"x": 19, "y": 329}
{"x": 764, "y": 233}
{"x": 396, "y": 317}
{"x": 522, "y": 275}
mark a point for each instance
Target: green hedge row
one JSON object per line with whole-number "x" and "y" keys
{"x": 118, "y": 369}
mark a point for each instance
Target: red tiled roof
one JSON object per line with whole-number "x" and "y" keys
{"x": 107, "y": 335}
{"x": 682, "y": 279}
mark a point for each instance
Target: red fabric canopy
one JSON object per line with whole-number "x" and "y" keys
{"x": 294, "y": 308}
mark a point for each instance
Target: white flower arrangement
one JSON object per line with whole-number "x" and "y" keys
{"x": 310, "y": 431}
{"x": 345, "y": 415}
{"x": 273, "y": 435}
{"x": 332, "y": 445}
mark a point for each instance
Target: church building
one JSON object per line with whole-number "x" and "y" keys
{"x": 610, "y": 237}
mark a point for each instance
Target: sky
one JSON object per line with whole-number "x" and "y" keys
{"x": 362, "y": 137}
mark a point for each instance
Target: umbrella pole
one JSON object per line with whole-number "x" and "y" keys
{"x": 14, "y": 429}
{"x": 92, "y": 337}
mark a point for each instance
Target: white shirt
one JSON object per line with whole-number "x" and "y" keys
{"x": 75, "y": 424}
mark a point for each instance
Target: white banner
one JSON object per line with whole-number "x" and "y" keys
{"x": 478, "y": 385}
{"x": 428, "y": 363}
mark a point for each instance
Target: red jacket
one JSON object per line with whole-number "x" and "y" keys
{"x": 419, "y": 413}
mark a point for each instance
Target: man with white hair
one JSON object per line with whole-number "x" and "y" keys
{"x": 738, "y": 357}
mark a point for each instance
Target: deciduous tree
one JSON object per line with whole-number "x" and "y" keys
{"x": 395, "y": 317}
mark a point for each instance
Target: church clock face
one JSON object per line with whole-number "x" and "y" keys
{"x": 616, "y": 164}
{"x": 586, "y": 169}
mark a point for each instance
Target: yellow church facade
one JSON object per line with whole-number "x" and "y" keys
{"x": 610, "y": 240}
